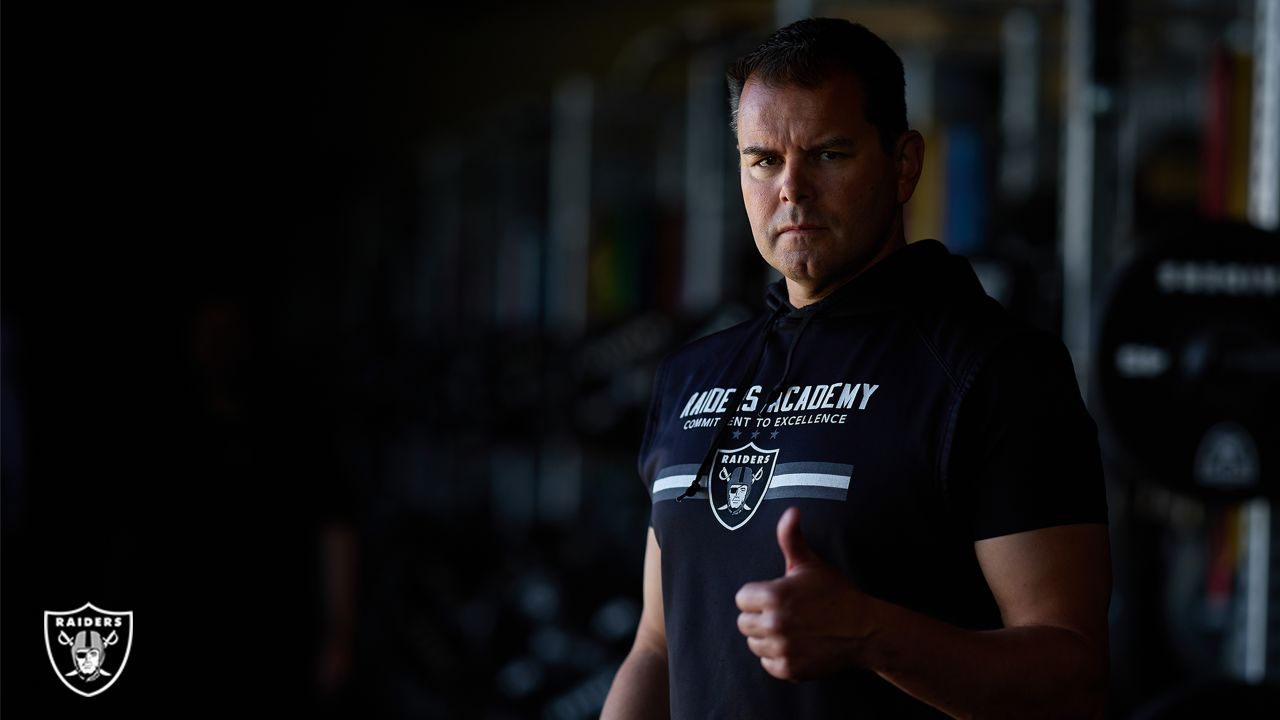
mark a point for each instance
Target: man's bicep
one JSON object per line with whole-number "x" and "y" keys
{"x": 1056, "y": 576}
{"x": 652, "y": 633}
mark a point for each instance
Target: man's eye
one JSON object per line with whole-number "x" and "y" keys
{"x": 830, "y": 155}
{"x": 766, "y": 162}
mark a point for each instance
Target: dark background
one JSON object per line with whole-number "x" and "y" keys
{"x": 283, "y": 372}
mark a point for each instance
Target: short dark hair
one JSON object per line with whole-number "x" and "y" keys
{"x": 808, "y": 52}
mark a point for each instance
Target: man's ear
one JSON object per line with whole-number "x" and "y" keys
{"x": 908, "y": 157}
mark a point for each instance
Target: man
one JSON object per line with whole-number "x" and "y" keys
{"x": 928, "y": 534}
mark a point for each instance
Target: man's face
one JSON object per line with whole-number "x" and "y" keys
{"x": 87, "y": 660}
{"x": 822, "y": 194}
{"x": 737, "y": 495}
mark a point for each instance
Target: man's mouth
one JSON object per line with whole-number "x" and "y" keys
{"x": 799, "y": 229}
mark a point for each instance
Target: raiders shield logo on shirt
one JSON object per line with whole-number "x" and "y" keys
{"x": 739, "y": 480}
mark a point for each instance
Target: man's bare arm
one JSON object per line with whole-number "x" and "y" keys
{"x": 640, "y": 688}
{"x": 1050, "y": 660}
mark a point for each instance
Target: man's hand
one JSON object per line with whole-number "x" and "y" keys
{"x": 808, "y": 623}
{"x": 1049, "y": 660}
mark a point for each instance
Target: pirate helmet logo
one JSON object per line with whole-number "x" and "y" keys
{"x": 87, "y": 651}
{"x": 739, "y": 480}
{"x": 93, "y": 657}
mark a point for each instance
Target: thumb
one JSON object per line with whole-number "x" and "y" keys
{"x": 795, "y": 550}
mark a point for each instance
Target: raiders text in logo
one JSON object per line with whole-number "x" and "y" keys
{"x": 88, "y": 647}
{"x": 739, "y": 480}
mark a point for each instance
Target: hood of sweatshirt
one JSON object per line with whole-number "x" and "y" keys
{"x": 912, "y": 277}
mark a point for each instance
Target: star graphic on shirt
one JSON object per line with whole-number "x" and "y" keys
{"x": 755, "y": 434}
{"x": 773, "y": 435}
{"x": 737, "y": 434}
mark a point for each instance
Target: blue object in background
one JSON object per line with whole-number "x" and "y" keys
{"x": 965, "y": 209}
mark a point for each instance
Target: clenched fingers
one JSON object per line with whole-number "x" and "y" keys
{"x": 756, "y": 596}
{"x": 758, "y": 624}
{"x": 768, "y": 647}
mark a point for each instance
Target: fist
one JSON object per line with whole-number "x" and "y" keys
{"x": 808, "y": 623}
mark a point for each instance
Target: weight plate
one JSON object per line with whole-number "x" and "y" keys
{"x": 1189, "y": 361}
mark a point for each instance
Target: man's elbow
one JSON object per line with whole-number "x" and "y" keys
{"x": 1096, "y": 690}
{"x": 1089, "y": 685}
{"x": 1073, "y": 682}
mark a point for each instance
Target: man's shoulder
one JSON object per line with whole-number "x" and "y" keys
{"x": 963, "y": 331}
{"x": 1031, "y": 352}
{"x": 940, "y": 296}
{"x": 718, "y": 346}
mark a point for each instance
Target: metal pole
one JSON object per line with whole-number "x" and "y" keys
{"x": 1077, "y": 187}
{"x": 1264, "y": 211}
{"x": 570, "y": 207}
{"x": 1264, "y": 141}
{"x": 1019, "y": 103}
{"x": 706, "y": 124}
{"x": 1257, "y": 566}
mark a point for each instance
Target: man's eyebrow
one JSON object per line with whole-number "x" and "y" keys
{"x": 836, "y": 141}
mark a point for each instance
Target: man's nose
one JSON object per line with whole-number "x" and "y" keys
{"x": 796, "y": 184}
